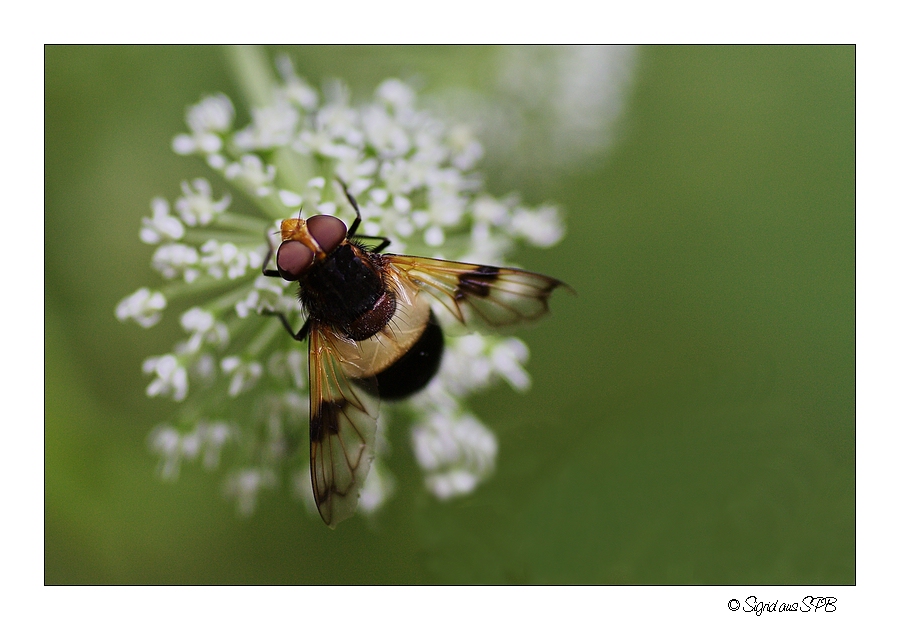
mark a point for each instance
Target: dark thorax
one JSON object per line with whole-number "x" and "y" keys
{"x": 347, "y": 291}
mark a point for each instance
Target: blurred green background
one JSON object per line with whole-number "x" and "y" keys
{"x": 692, "y": 413}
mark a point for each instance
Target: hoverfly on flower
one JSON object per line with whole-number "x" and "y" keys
{"x": 372, "y": 334}
{"x": 374, "y": 321}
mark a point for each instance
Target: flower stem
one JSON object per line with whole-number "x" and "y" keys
{"x": 269, "y": 331}
{"x": 198, "y": 237}
{"x": 243, "y": 222}
{"x": 252, "y": 72}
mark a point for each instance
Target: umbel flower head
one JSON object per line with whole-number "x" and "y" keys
{"x": 239, "y": 381}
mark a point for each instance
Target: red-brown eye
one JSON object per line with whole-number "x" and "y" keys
{"x": 293, "y": 259}
{"x": 328, "y": 231}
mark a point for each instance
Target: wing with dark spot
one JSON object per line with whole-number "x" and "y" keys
{"x": 497, "y": 296}
{"x": 342, "y": 420}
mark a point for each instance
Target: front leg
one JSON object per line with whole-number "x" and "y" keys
{"x": 300, "y": 335}
{"x": 271, "y": 273}
{"x": 385, "y": 242}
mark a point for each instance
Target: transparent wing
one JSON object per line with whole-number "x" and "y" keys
{"x": 498, "y": 296}
{"x": 342, "y": 419}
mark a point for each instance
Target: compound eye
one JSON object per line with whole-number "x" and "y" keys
{"x": 328, "y": 231}
{"x": 293, "y": 259}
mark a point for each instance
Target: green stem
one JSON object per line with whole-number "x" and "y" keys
{"x": 270, "y": 204}
{"x": 181, "y": 289}
{"x": 253, "y": 73}
{"x": 242, "y": 222}
{"x": 291, "y": 169}
{"x": 228, "y": 300}
{"x": 269, "y": 331}
{"x": 273, "y": 206}
{"x": 198, "y": 237}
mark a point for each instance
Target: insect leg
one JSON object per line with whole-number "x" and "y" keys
{"x": 355, "y": 205}
{"x": 385, "y": 241}
{"x": 352, "y": 231}
{"x": 272, "y": 273}
{"x": 300, "y": 335}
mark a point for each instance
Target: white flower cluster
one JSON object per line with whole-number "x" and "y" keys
{"x": 413, "y": 177}
{"x": 206, "y": 439}
{"x": 455, "y": 452}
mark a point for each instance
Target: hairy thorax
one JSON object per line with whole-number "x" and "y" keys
{"x": 347, "y": 290}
